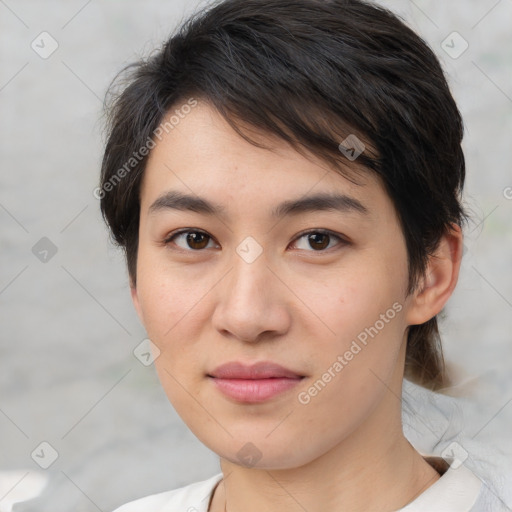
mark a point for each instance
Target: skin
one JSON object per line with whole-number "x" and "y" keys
{"x": 295, "y": 305}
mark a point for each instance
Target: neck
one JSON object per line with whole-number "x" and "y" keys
{"x": 367, "y": 481}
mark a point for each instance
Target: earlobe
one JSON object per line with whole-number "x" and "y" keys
{"x": 440, "y": 278}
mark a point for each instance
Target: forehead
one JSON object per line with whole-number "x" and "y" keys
{"x": 203, "y": 155}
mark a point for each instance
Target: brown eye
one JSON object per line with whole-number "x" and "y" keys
{"x": 318, "y": 240}
{"x": 196, "y": 240}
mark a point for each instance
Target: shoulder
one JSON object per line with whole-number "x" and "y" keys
{"x": 190, "y": 498}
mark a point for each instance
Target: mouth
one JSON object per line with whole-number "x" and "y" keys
{"x": 253, "y": 383}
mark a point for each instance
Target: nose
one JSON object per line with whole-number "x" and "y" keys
{"x": 251, "y": 303}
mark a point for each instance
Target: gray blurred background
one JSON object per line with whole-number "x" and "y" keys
{"x": 68, "y": 375}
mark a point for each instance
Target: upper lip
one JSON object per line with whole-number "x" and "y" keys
{"x": 260, "y": 370}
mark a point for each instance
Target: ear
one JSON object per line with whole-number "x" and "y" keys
{"x": 135, "y": 300}
{"x": 440, "y": 278}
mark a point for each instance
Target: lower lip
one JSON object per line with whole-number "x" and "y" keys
{"x": 255, "y": 390}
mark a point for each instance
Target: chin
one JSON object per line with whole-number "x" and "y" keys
{"x": 264, "y": 451}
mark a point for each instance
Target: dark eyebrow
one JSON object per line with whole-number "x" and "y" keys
{"x": 323, "y": 201}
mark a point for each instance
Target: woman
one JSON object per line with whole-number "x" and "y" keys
{"x": 285, "y": 178}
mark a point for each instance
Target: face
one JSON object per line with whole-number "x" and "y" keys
{"x": 267, "y": 277}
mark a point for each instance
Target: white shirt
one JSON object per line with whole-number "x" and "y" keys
{"x": 457, "y": 490}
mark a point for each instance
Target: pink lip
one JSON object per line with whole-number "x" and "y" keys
{"x": 260, "y": 370}
{"x": 254, "y": 383}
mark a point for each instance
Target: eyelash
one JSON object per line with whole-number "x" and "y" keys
{"x": 342, "y": 241}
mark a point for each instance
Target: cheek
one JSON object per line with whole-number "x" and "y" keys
{"x": 354, "y": 363}
{"x": 366, "y": 320}
{"x": 171, "y": 309}
{"x": 175, "y": 310}
{"x": 170, "y": 299}
{"x": 365, "y": 298}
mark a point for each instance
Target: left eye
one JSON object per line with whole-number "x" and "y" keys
{"x": 318, "y": 240}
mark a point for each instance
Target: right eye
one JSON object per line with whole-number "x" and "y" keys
{"x": 193, "y": 240}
